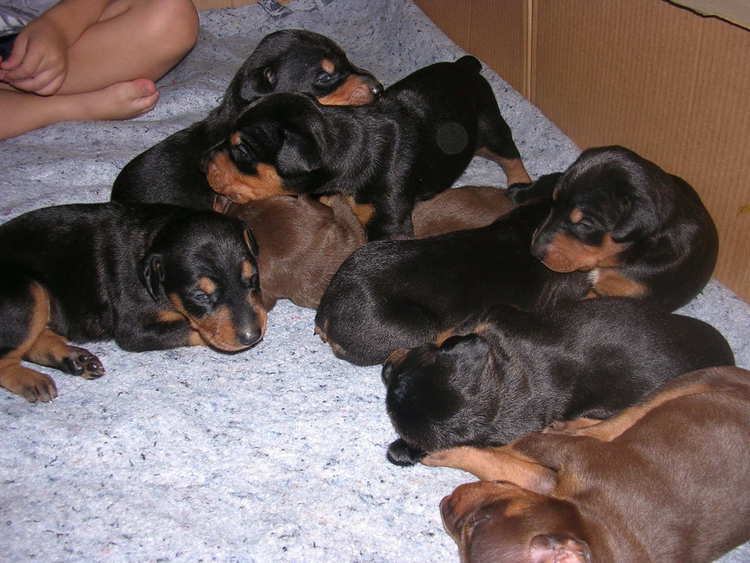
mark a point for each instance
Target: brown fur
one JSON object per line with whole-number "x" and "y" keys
{"x": 303, "y": 241}
{"x": 662, "y": 481}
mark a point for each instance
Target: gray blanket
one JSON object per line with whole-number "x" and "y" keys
{"x": 275, "y": 454}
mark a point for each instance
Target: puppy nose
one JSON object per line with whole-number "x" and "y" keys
{"x": 376, "y": 89}
{"x": 248, "y": 337}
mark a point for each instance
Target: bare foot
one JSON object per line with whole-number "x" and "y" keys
{"x": 121, "y": 100}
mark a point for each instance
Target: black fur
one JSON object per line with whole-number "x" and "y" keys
{"x": 413, "y": 142}
{"x": 667, "y": 238}
{"x": 399, "y": 294}
{"x": 284, "y": 61}
{"x": 119, "y": 272}
{"x": 507, "y": 372}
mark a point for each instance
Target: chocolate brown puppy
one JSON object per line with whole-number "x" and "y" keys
{"x": 506, "y": 372}
{"x": 303, "y": 241}
{"x": 661, "y": 481}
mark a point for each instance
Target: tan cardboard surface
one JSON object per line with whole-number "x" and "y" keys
{"x": 664, "y": 81}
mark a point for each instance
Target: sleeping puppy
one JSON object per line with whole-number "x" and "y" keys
{"x": 403, "y": 293}
{"x": 665, "y": 481}
{"x": 506, "y": 372}
{"x": 291, "y": 60}
{"x": 637, "y": 230}
{"x": 149, "y": 277}
{"x": 413, "y": 142}
{"x": 303, "y": 241}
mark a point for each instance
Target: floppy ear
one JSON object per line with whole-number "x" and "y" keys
{"x": 548, "y": 549}
{"x": 259, "y": 81}
{"x": 151, "y": 275}
{"x": 637, "y": 221}
{"x": 250, "y": 242}
{"x": 300, "y": 153}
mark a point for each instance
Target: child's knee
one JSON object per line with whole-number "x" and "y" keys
{"x": 172, "y": 24}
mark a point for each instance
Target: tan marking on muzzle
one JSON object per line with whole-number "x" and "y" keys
{"x": 354, "y": 91}
{"x": 225, "y": 178}
{"x": 216, "y": 329}
{"x": 565, "y": 253}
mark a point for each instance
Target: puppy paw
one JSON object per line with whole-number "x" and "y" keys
{"x": 81, "y": 362}
{"x": 31, "y": 385}
{"x": 401, "y": 454}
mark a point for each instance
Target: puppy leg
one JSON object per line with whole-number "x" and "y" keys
{"x": 609, "y": 429}
{"x": 51, "y": 349}
{"x": 495, "y": 140}
{"x": 392, "y": 218}
{"x": 24, "y": 314}
{"x": 161, "y": 331}
{"x": 497, "y": 464}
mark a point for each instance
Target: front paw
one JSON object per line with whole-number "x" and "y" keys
{"x": 31, "y": 385}
{"x": 402, "y": 454}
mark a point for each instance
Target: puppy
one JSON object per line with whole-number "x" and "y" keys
{"x": 507, "y": 372}
{"x": 662, "y": 481}
{"x": 403, "y": 293}
{"x": 413, "y": 142}
{"x": 150, "y": 277}
{"x": 637, "y": 230}
{"x": 291, "y": 60}
{"x": 303, "y": 241}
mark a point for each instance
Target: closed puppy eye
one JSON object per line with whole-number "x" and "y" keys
{"x": 325, "y": 78}
{"x": 200, "y": 296}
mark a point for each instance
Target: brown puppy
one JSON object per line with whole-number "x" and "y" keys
{"x": 303, "y": 241}
{"x": 662, "y": 481}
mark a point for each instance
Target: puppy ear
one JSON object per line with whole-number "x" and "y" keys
{"x": 546, "y": 548}
{"x": 151, "y": 275}
{"x": 259, "y": 81}
{"x": 637, "y": 221}
{"x": 250, "y": 242}
{"x": 300, "y": 154}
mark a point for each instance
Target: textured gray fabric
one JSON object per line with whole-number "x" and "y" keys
{"x": 275, "y": 454}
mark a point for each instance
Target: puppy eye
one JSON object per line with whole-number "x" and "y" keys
{"x": 201, "y": 297}
{"x": 325, "y": 78}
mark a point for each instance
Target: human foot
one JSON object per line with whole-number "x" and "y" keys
{"x": 121, "y": 100}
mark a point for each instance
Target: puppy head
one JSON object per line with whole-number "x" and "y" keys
{"x": 296, "y": 60}
{"x": 605, "y": 202}
{"x": 204, "y": 266}
{"x": 440, "y": 396}
{"x": 498, "y": 521}
{"x": 276, "y": 148}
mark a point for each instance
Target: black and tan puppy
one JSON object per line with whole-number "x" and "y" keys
{"x": 403, "y": 293}
{"x": 303, "y": 241}
{"x": 636, "y": 229}
{"x": 413, "y": 142}
{"x": 291, "y": 60}
{"x": 662, "y": 481}
{"x": 150, "y": 277}
{"x": 506, "y": 372}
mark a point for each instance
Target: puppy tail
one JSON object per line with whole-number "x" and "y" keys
{"x": 470, "y": 63}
